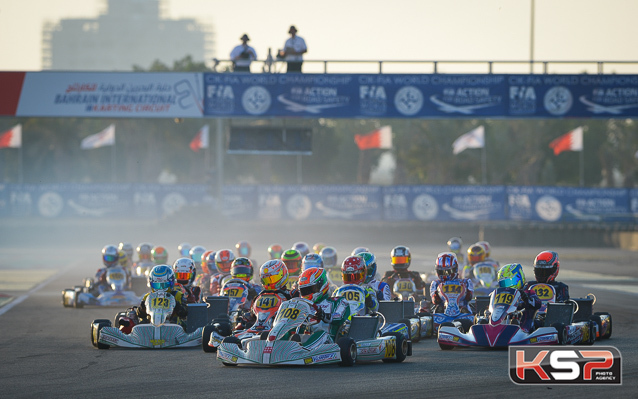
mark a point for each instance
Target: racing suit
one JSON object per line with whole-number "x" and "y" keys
{"x": 100, "y": 285}
{"x": 332, "y": 313}
{"x": 562, "y": 290}
{"x": 249, "y": 318}
{"x": 193, "y": 294}
{"x": 216, "y": 283}
{"x": 529, "y": 304}
{"x": 383, "y": 291}
{"x": 370, "y": 299}
{"x": 441, "y": 290}
{"x": 179, "y": 312}
{"x": 393, "y": 275}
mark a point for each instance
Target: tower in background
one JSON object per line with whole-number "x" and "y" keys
{"x": 129, "y": 32}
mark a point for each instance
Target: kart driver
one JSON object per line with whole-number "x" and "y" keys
{"x": 380, "y": 288}
{"x": 353, "y": 271}
{"x": 512, "y": 276}
{"x": 400, "y": 262}
{"x": 447, "y": 269}
{"x": 546, "y": 267}
{"x": 162, "y": 278}
{"x": 185, "y": 273}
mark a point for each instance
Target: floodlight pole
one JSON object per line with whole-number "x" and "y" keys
{"x": 219, "y": 162}
{"x": 531, "y": 39}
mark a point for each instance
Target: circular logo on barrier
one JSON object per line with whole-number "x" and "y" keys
{"x": 172, "y": 203}
{"x": 298, "y": 207}
{"x": 408, "y": 100}
{"x": 558, "y": 100}
{"x": 256, "y": 100}
{"x": 50, "y": 204}
{"x": 425, "y": 207}
{"x": 549, "y": 208}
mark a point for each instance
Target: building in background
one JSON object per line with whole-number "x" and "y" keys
{"x": 127, "y": 33}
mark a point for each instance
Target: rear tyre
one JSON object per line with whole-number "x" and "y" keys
{"x": 76, "y": 301}
{"x": 562, "y": 333}
{"x": 608, "y": 332}
{"x": 465, "y": 325}
{"x": 96, "y": 327}
{"x": 592, "y": 333}
{"x": 206, "y": 333}
{"x": 348, "y": 351}
{"x": 401, "y": 349}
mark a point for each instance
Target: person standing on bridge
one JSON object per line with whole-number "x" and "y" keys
{"x": 242, "y": 55}
{"x": 294, "y": 49}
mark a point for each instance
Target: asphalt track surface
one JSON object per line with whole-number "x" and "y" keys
{"x": 46, "y": 351}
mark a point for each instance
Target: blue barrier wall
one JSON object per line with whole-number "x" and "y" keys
{"x": 343, "y": 202}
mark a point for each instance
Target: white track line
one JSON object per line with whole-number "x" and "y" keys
{"x": 33, "y": 290}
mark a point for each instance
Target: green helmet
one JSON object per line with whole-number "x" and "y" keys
{"x": 292, "y": 259}
{"x": 371, "y": 265}
{"x": 511, "y": 276}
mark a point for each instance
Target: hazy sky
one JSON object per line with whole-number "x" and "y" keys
{"x": 370, "y": 29}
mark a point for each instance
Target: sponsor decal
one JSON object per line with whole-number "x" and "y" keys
{"x": 446, "y": 337}
{"x": 324, "y": 358}
{"x": 108, "y": 338}
{"x": 582, "y": 365}
{"x": 226, "y": 356}
{"x": 268, "y": 349}
{"x": 546, "y": 338}
{"x": 156, "y": 342}
{"x": 233, "y": 359}
{"x": 307, "y": 360}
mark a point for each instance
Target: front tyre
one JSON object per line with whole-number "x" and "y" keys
{"x": 562, "y": 333}
{"x": 402, "y": 347}
{"x": 206, "y": 334}
{"x": 348, "y": 351}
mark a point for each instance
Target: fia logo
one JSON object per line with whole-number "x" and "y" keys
{"x": 256, "y": 100}
{"x": 558, "y": 100}
{"x": 408, "y": 100}
{"x": 372, "y": 92}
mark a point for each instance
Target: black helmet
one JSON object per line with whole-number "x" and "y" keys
{"x": 401, "y": 258}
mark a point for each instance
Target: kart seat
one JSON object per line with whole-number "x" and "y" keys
{"x": 482, "y": 304}
{"x": 197, "y": 316}
{"x": 364, "y": 327}
{"x": 585, "y": 308}
{"x": 216, "y": 305}
{"x": 393, "y": 311}
{"x": 559, "y": 313}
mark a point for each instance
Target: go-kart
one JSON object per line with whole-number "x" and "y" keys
{"x": 485, "y": 280}
{"x": 287, "y": 344}
{"x": 264, "y": 308}
{"x": 159, "y": 333}
{"x": 418, "y": 326}
{"x": 579, "y": 325}
{"x": 452, "y": 294}
{"x": 117, "y": 295}
{"x": 498, "y": 327}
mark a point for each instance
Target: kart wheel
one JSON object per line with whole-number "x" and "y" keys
{"x": 562, "y": 333}
{"x": 465, "y": 325}
{"x": 232, "y": 340}
{"x": 206, "y": 333}
{"x": 223, "y": 328}
{"x": 348, "y": 351}
{"x": 592, "y": 333}
{"x": 608, "y": 332}
{"x": 444, "y": 346}
{"x": 402, "y": 347}
{"x": 95, "y": 330}
{"x": 76, "y": 303}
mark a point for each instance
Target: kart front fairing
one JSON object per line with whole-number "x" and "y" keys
{"x": 109, "y": 298}
{"x": 150, "y": 336}
{"x": 496, "y": 336}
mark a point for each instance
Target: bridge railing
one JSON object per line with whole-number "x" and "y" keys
{"x": 440, "y": 66}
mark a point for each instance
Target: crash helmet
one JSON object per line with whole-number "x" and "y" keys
{"x": 400, "y": 258}
{"x": 329, "y": 256}
{"x": 353, "y": 270}
{"x": 122, "y": 258}
{"x": 144, "y": 252}
{"x": 243, "y": 249}
{"x": 302, "y": 248}
{"x": 275, "y": 251}
{"x": 475, "y": 254}
{"x": 359, "y": 250}
{"x": 224, "y": 260}
{"x": 371, "y": 265}
{"x": 127, "y": 247}
{"x": 196, "y": 253}
{"x": 314, "y": 284}
{"x": 311, "y": 260}
{"x": 110, "y": 256}
{"x": 160, "y": 255}
{"x": 318, "y": 247}
{"x": 511, "y": 276}
{"x": 446, "y": 266}
{"x": 161, "y": 278}
{"x": 273, "y": 274}
{"x": 292, "y": 259}
{"x": 546, "y": 266}
{"x": 185, "y": 271}
{"x": 486, "y": 247}
{"x": 242, "y": 268}
{"x": 455, "y": 245}
{"x": 208, "y": 262}
{"x": 184, "y": 249}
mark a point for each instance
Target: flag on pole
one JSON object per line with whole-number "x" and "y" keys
{"x": 101, "y": 139}
{"x": 570, "y": 141}
{"x": 475, "y": 138}
{"x": 201, "y": 139}
{"x": 380, "y": 138}
{"x": 11, "y": 138}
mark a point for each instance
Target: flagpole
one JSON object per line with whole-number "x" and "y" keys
{"x": 21, "y": 173}
{"x": 113, "y": 163}
{"x": 484, "y": 165}
{"x": 582, "y": 167}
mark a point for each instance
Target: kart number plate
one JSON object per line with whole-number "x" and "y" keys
{"x": 116, "y": 276}
{"x": 235, "y": 292}
{"x": 267, "y": 302}
{"x": 161, "y": 303}
{"x": 543, "y": 291}
{"x": 503, "y": 299}
{"x": 391, "y": 348}
{"x": 451, "y": 288}
{"x": 405, "y": 286}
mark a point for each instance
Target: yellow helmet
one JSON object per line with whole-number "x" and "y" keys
{"x": 511, "y": 276}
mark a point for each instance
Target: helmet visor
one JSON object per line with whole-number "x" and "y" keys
{"x": 184, "y": 276}
{"x": 241, "y": 271}
{"x": 353, "y": 278}
{"x": 446, "y": 272}
{"x": 271, "y": 280}
{"x": 309, "y": 290}
{"x": 243, "y": 251}
{"x": 508, "y": 282}
{"x": 163, "y": 286}
{"x": 542, "y": 274}
{"x": 110, "y": 258}
{"x": 397, "y": 260}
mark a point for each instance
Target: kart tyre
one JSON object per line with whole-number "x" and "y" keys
{"x": 348, "y": 351}
{"x": 608, "y": 332}
{"x": 206, "y": 333}
{"x": 465, "y": 325}
{"x": 402, "y": 348}
{"x": 93, "y": 325}
{"x": 96, "y": 333}
{"x": 444, "y": 346}
{"x": 223, "y": 328}
{"x": 232, "y": 340}
{"x": 592, "y": 333}
{"x": 76, "y": 303}
{"x": 562, "y": 333}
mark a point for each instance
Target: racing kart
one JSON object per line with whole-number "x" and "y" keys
{"x": 287, "y": 344}
{"x": 451, "y": 292}
{"x": 118, "y": 295}
{"x": 485, "y": 280}
{"x": 417, "y": 326}
{"x": 159, "y": 333}
{"x": 498, "y": 327}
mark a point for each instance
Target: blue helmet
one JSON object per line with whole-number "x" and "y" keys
{"x": 371, "y": 265}
{"x": 161, "y": 278}
{"x": 311, "y": 260}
